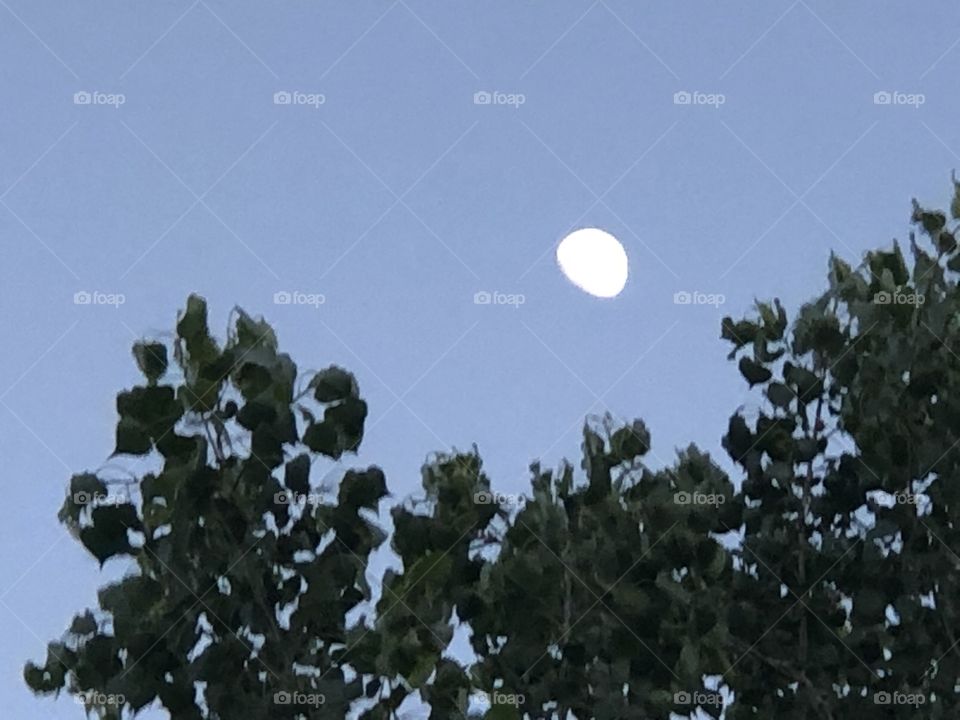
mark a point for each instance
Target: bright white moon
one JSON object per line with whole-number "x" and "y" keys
{"x": 594, "y": 261}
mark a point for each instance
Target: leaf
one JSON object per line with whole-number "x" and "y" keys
{"x": 84, "y": 490}
{"x": 348, "y": 418}
{"x": 254, "y": 333}
{"x": 502, "y": 711}
{"x": 362, "y": 489}
{"x": 154, "y": 410}
{"x": 630, "y": 442}
{"x": 780, "y": 395}
{"x": 255, "y": 412}
{"x": 322, "y": 437}
{"x": 131, "y": 439}
{"x": 333, "y": 384}
{"x": 297, "y": 474}
{"x": 738, "y": 440}
{"x": 946, "y": 242}
{"x": 108, "y": 534}
{"x": 808, "y": 385}
{"x": 754, "y": 372}
{"x": 806, "y": 449}
{"x": 151, "y": 358}
{"x": 84, "y": 624}
{"x": 688, "y": 665}
{"x": 193, "y": 320}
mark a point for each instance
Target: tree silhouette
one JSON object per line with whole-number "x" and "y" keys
{"x": 824, "y": 584}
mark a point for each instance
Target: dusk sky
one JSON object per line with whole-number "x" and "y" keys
{"x": 430, "y": 151}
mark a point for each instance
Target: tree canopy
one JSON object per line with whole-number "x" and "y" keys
{"x": 822, "y": 581}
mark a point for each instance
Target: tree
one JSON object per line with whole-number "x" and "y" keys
{"x": 847, "y": 599}
{"x": 237, "y": 606}
{"x": 824, "y": 584}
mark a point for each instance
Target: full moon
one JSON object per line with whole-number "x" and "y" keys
{"x": 594, "y": 261}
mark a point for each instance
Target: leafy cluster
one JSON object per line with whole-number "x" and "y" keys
{"x": 825, "y": 584}
{"x": 243, "y": 578}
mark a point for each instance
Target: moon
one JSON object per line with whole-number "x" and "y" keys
{"x": 594, "y": 261}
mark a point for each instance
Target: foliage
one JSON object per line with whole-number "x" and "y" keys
{"x": 825, "y": 585}
{"x": 847, "y": 595}
{"x": 242, "y": 582}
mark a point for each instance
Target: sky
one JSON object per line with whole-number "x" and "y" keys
{"x": 147, "y": 152}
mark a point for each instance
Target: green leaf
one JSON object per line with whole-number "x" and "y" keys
{"x": 688, "y": 666}
{"x": 780, "y": 395}
{"x": 322, "y": 437}
{"x": 151, "y": 358}
{"x": 754, "y": 372}
{"x": 362, "y": 489}
{"x": 84, "y": 624}
{"x": 738, "y": 440}
{"x": 108, "y": 534}
{"x": 807, "y": 384}
{"x": 630, "y": 442}
{"x": 333, "y": 384}
{"x": 193, "y": 321}
{"x": 131, "y": 438}
{"x": 297, "y": 474}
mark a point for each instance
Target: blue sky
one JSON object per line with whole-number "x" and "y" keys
{"x": 397, "y": 198}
